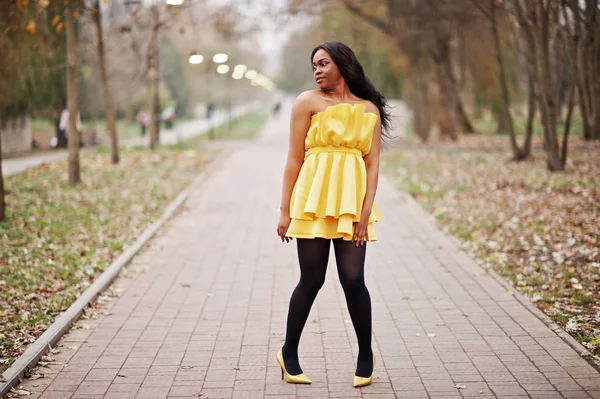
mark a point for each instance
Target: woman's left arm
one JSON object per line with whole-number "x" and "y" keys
{"x": 372, "y": 167}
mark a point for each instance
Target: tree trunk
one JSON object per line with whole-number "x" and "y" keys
{"x": 2, "y": 200}
{"x": 546, "y": 86}
{"x": 536, "y": 26}
{"x": 421, "y": 110}
{"x": 563, "y": 154}
{"x": 588, "y": 64}
{"x": 526, "y": 153}
{"x": 502, "y": 122}
{"x": 596, "y": 98}
{"x": 596, "y": 78}
{"x": 73, "y": 134}
{"x": 580, "y": 49}
{"x": 440, "y": 52}
{"x": 462, "y": 120}
{"x": 110, "y": 113}
{"x": 506, "y": 116}
{"x": 445, "y": 112}
{"x": 152, "y": 76}
{"x": 532, "y": 74}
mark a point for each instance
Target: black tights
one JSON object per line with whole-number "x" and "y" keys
{"x": 313, "y": 255}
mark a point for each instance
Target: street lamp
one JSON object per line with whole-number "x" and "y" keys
{"x": 220, "y": 58}
{"x": 223, "y": 69}
{"x": 196, "y": 58}
{"x": 251, "y": 74}
{"x": 240, "y": 69}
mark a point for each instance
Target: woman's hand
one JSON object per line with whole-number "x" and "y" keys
{"x": 282, "y": 226}
{"x": 361, "y": 234}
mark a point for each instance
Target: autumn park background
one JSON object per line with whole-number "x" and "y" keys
{"x": 500, "y": 144}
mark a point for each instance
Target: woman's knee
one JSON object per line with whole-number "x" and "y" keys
{"x": 313, "y": 283}
{"x": 352, "y": 282}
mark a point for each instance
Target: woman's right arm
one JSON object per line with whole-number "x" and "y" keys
{"x": 299, "y": 125}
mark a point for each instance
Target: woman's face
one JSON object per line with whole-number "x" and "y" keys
{"x": 326, "y": 73}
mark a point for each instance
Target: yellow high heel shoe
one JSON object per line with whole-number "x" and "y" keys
{"x": 364, "y": 381}
{"x": 292, "y": 379}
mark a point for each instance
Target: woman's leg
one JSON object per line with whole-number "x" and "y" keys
{"x": 313, "y": 255}
{"x": 350, "y": 261}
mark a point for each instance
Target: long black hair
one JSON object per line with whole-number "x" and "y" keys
{"x": 358, "y": 83}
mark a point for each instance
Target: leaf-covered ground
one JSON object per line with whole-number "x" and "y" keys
{"x": 58, "y": 238}
{"x": 539, "y": 230}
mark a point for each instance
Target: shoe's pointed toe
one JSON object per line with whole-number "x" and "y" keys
{"x": 298, "y": 379}
{"x": 362, "y": 381}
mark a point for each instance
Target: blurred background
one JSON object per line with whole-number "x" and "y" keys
{"x": 459, "y": 66}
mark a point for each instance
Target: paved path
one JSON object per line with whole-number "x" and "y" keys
{"x": 203, "y": 311}
{"x": 180, "y": 132}
{"x": 15, "y": 165}
{"x": 186, "y": 130}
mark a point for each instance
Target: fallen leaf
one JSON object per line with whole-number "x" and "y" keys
{"x": 30, "y": 27}
{"x": 20, "y": 392}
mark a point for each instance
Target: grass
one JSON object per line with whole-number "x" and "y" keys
{"x": 41, "y": 124}
{"x": 125, "y": 128}
{"x": 487, "y": 125}
{"x": 245, "y": 127}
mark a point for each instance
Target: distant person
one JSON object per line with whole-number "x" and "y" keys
{"x": 168, "y": 116}
{"x": 143, "y": 119}
{"x": 328, "y": 195}
{"x": 210, "y": 107}
{"x": 276, "y": 108}
{"x": 64, "y": 125}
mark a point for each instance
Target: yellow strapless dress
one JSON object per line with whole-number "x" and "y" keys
{"x": 329, "y": 193}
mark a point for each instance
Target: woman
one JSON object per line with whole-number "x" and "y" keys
{"x": 328, "y": 195}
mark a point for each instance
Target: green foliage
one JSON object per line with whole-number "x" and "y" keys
{"x": 172, "y": 73}
{"x": 337, "y": 24}
{"x": 33, "y": 58}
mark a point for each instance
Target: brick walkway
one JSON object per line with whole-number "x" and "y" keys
{"x": 203, "y": 311}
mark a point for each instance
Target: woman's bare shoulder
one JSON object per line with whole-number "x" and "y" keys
{"x": 306, "y": 100}
{"x": 308, "y": 96}
{"x": 370, "y": 107}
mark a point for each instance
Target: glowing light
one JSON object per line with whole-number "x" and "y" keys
{"x": 240, "y": 68}
{"x": 251, "y": 74}
{"x": 223, "y": 69}
{"x": 220, "y": 58}
{"x": 196, "y": 59}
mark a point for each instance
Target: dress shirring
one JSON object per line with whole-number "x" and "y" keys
{"x": 329, "y": 192}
